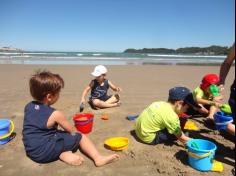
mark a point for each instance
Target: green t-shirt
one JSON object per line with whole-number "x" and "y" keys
{"x": 199, "y": 93}
{"x": 158, "y": 116}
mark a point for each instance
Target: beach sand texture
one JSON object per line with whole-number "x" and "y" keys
{"x": 141, "y": 86}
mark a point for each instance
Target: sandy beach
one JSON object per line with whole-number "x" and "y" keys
{"x": 141, "y": 86}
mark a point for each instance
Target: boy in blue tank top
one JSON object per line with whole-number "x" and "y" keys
{"x": 43, "y": 141}
{"x": 99, "y": 98}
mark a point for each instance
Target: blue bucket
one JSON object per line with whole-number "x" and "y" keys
{"x": 6, "y": 129}
{"x": 201, "y": 154}
{"x": 222, "y": 120}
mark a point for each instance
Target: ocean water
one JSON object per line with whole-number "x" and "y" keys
{"x": 95, "y": 58}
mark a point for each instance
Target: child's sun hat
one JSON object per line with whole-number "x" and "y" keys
{"x": 99, "y": 70}
{"x": 209, "y": 79}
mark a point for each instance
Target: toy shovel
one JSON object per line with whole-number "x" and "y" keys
{"x": 81, "y": 108}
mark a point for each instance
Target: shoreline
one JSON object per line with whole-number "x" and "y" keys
{"x": 106, "y": 61}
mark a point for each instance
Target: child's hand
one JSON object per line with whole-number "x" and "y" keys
{"x": 82, "y": 105}
{"x": 118, "y": 89}
{"x": 222, "y": 88}
{"x": 81, "y": 108}
{"x": 83, "y": 101}
{"x": 188, "y": 139}
{"x": 218, "y": 105}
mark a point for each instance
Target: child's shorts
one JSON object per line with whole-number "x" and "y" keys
{"x": 103, "y": 98}
{"x": 163, "y": 136}
{"x": 70, "y": 142}
{"x": 61, "y": 142}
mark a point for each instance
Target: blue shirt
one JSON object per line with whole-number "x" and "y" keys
{"x": 99, "y": 91}
{"x": 40, "y": 142}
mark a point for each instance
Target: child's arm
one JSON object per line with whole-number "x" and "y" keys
{"x": 85, "y": 92}
{"x": 204, "y": 102}
{"x": 113, "y": 87}
{"x": 225, "y": 67}
{"x": 231, "y": 128}
{"x": 58, "y": 118}
{"x": 207, "y": 102}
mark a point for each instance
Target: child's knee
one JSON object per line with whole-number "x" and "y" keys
{"x": 96, "y": 102}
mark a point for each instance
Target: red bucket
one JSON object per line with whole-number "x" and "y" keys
{"x": 84, "y": 122}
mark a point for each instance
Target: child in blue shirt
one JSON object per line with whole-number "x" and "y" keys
{"x": 43, "y": 141}
{"x": 99, "y": 98}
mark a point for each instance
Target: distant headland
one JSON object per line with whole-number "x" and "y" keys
{"x": 10, "y": 49}
{"x": 211, "y": 50}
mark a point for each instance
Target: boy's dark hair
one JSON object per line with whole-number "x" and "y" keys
{"x": 171, "y": 101}
{"x": 43, "y": 83}
{"x": 174, "y": 101}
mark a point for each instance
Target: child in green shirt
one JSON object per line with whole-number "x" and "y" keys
{"x": 160, "y": 123}
{"x": 207, "y": 95}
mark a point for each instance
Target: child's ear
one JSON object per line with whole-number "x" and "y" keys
{"x": 49, "y": 97}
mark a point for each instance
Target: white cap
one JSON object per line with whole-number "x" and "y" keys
{"x": 99, "y": 70}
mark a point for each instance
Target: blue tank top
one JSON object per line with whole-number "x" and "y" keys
{"x": 99, "y": 91}
{"x": 39, "y": 141}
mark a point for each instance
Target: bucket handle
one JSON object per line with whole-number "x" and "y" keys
{"x": 11, "y": 131}
{"x": 84, "y": 123}
{"x": 193, "y": 155}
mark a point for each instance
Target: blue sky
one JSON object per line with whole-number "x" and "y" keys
{"x": 115, "y": 25}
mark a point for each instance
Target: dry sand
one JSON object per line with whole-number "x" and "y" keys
{"x": 141, "y": 86}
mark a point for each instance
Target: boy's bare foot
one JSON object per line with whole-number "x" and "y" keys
{"x": 104, "y": 160}
{"x": 71, "y": 158}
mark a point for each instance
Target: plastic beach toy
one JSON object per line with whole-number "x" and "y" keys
{"x": 84, "y": 122}
{"x": 217, "y": 166}
{"x": 6, "y": 130}
{"x": 117, "y": 143}
{"x": 81, "y": 108}
{"x": 201, "y": 154}
{"x": 214, "y": 90}
{"x": 105, "y": 117}
{"x": 222, "y": 120}
{"x": 226, "y": 109}
{"x": 194, "y": 145}
{"x": 190, "y": 125}
{"x": 132, "y": 117}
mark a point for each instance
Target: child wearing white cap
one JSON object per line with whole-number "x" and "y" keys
{"x": 99, "y": 99}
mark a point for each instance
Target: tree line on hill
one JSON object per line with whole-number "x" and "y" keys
{"x": 212, "y": 50}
